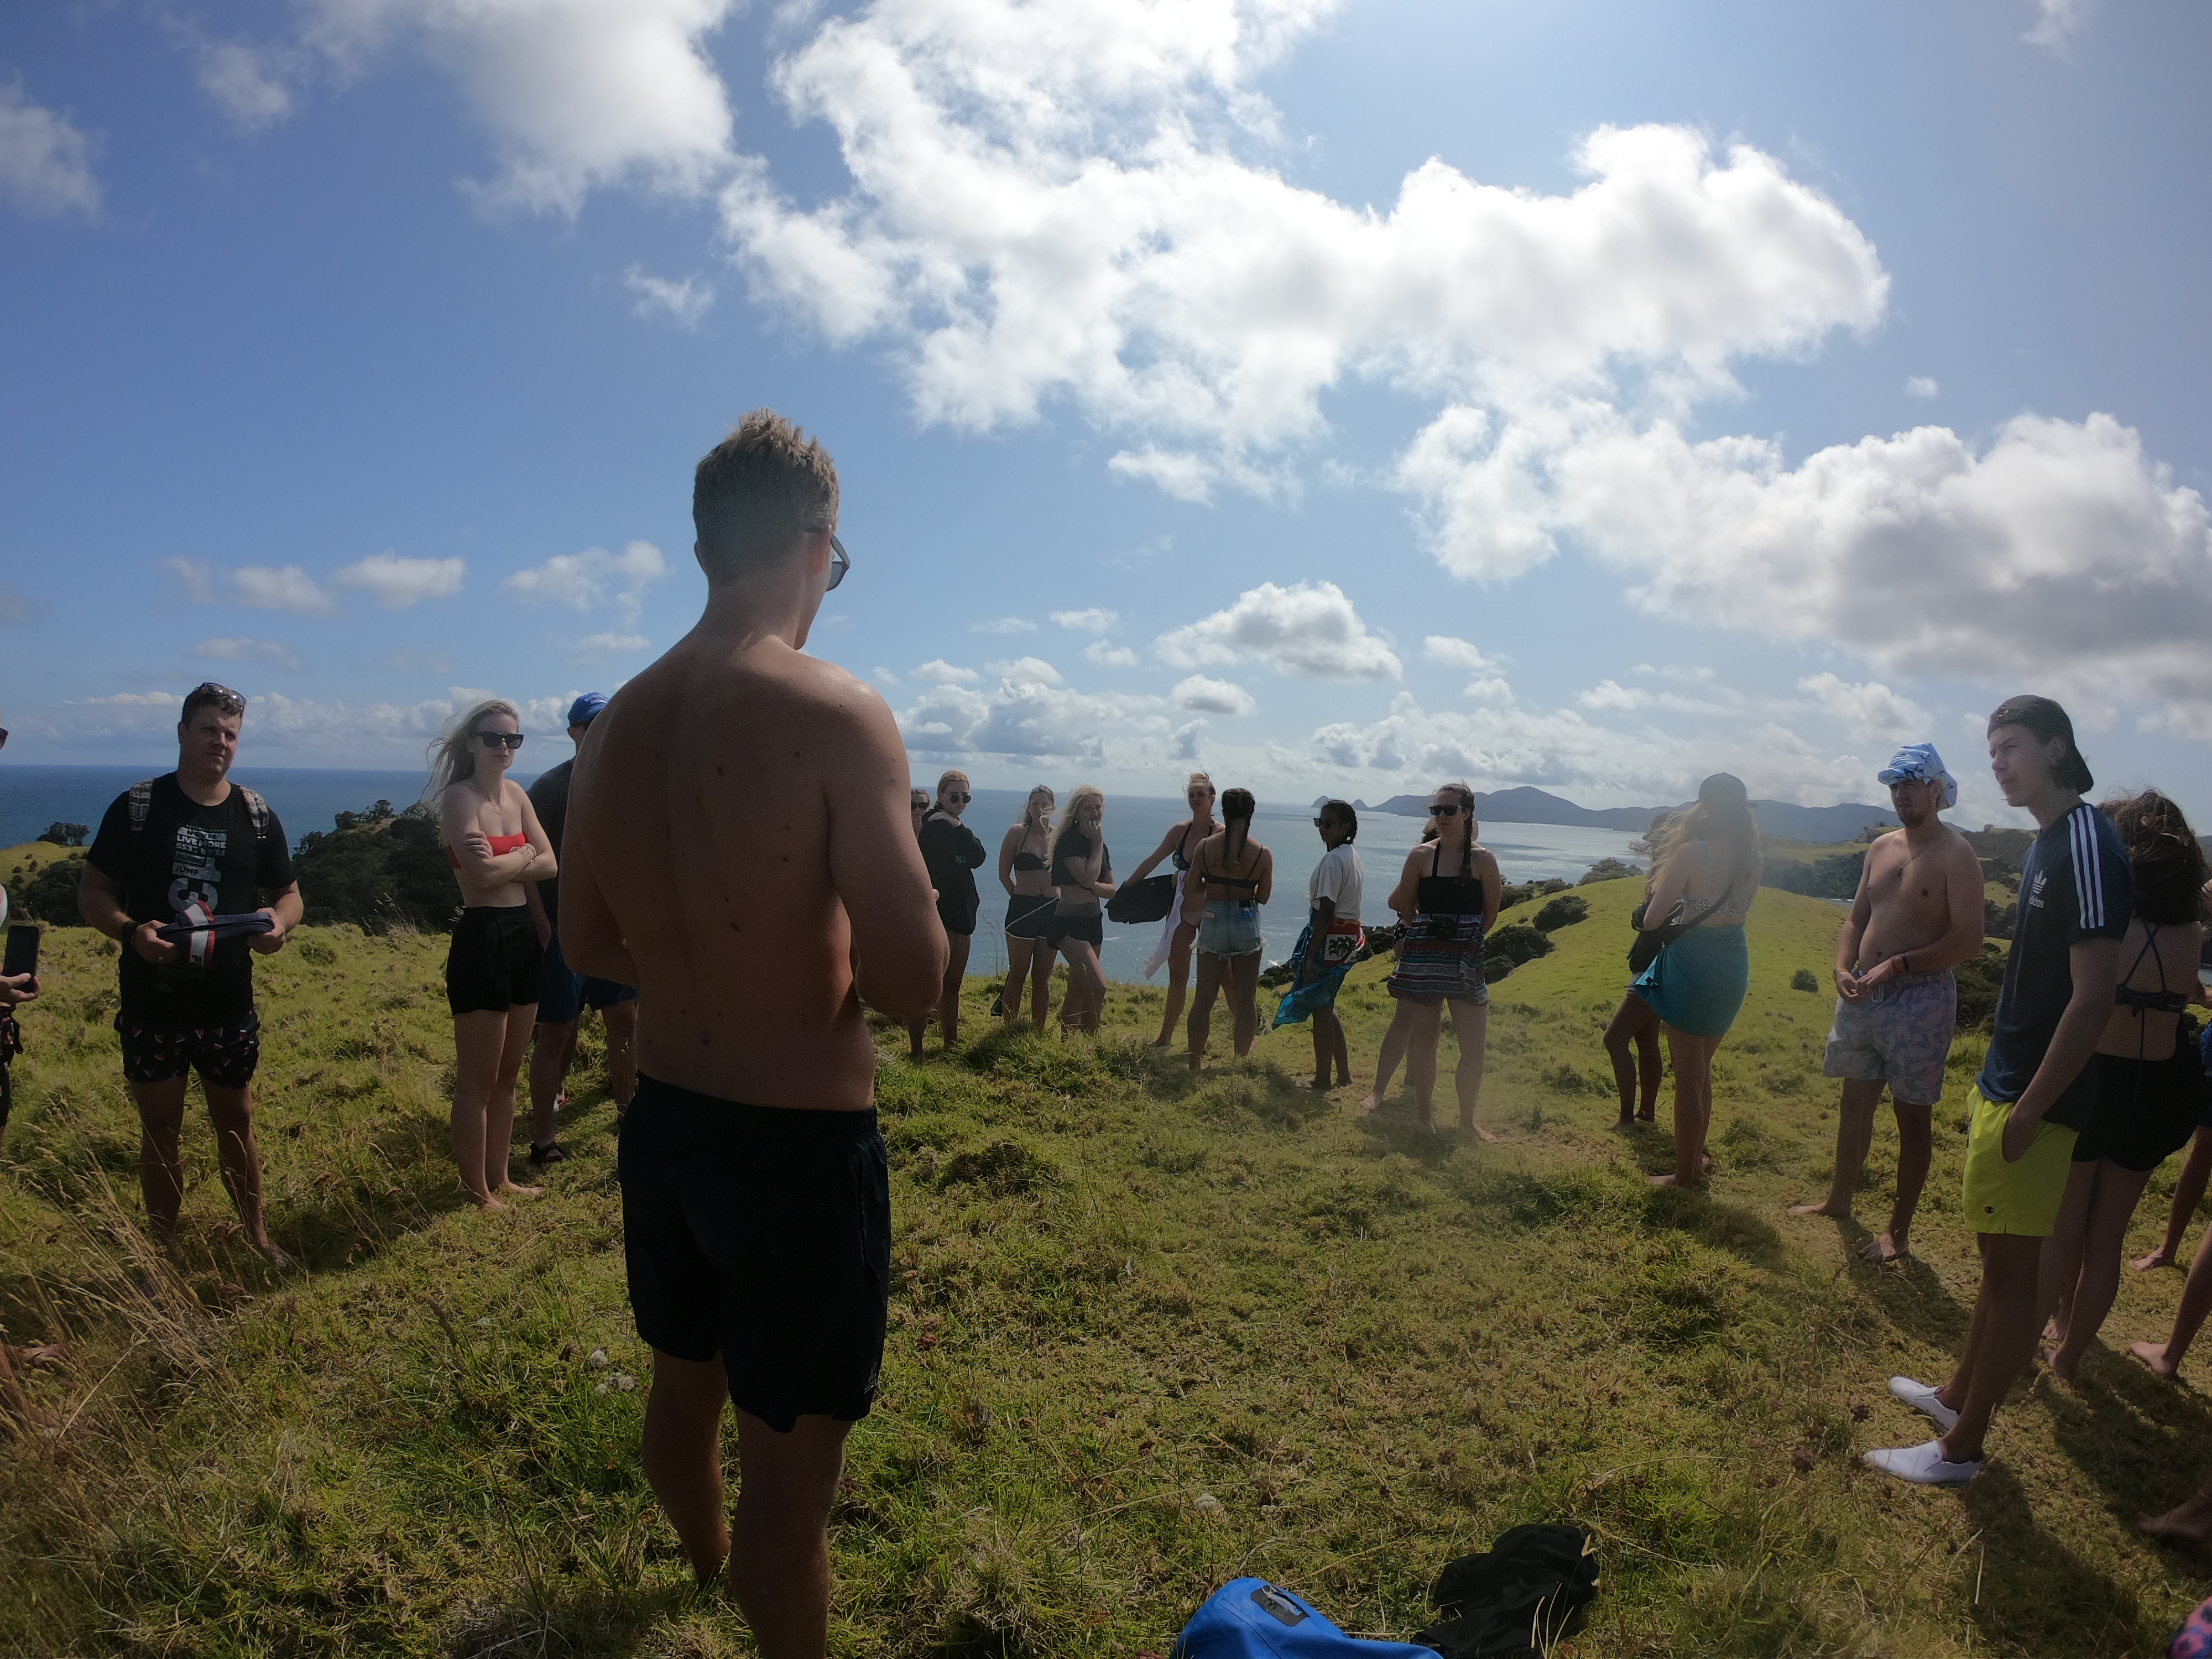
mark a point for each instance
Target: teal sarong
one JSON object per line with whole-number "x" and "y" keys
{"x": 1301, "y": 1000}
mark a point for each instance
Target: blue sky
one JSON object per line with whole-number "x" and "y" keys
{"x": 1341, "y": 396}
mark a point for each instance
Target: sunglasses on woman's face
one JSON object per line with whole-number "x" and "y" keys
{"x": 1451, "y": 812}
{"x": 500, "y": 739}
{"x": 963, "y": 799}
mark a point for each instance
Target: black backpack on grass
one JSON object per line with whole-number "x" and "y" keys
{"x": 1527, "y": 1593}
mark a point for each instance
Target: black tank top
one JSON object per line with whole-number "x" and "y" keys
{"x": 1447, "y": 895}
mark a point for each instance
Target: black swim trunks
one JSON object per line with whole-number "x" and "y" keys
{"x": 225, "y": 1053}
{"x": 1028, "y": 916}
{"x": 1088, "y": 925}
{"x": 496, "y": 962}
{"x": 2145, "y": 1111}
{"x": 763, "y": 1234}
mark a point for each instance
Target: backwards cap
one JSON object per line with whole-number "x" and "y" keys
{"x": 2047, "y": 719}
{"x": 587, "y": 708}
{"x": 1918, "y": 762}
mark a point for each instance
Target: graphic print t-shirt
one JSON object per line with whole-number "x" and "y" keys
{"x": 548, "y": 797}
{"x": 187, "y": 852}
{"x": 2075, "y": 883}
{"x": 1339, "y": 877}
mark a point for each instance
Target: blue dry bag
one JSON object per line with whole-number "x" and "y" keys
{"x": 1252, "y": 1619}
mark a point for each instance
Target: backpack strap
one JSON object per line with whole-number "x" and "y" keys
{"x": 141, "y": 802}
{"x": 256, "y": 809}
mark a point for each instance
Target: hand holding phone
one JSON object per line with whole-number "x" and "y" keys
{"x": 22, "y": 956}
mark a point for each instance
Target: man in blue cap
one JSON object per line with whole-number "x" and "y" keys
{"x": 566, "y": 995}
{"x": 1918, "y": 915}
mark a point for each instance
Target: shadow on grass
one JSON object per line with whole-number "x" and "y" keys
{"x": 1907, "y": 1292}
{"x": 2030, "y": 1585}
{"x": 1729, "y": 1227}
{"x": 1396, "y": 1127}
{"x": 2142, "y": 1439}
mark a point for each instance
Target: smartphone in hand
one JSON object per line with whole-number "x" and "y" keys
{"x": 22, "y": 956}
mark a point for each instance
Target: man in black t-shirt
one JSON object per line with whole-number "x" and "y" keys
{"x": 564, "y": 994}
{"x": 193, "y": 847}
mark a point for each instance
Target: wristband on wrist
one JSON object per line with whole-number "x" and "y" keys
{"x": 1906, "y": 960}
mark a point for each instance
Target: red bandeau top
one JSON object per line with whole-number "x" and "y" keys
{"x": 499, "y": 844}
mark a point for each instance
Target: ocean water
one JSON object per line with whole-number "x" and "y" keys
{"x": 33, "y": 797}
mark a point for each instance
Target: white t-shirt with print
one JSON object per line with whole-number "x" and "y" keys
{"x": 1338, "y": 877}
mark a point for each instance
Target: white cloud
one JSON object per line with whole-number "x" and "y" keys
{"x": 1029, "y": 718}
{"x": 243, "y": 650}
{"x": 192, "y": 577}
{"x": 288, "y": 588}
{"x": 1871, "y": 711}
{"x": 1109, "y": 656}
{"x": 1185, "y": 739}
{"x": 575, "y": 94}
{"x": 250, "y": 84}
{"x": 1213, "y": 696}
{"x": 884, "y": 676}
{"x": 1004, "y": 625}
{"x": 1920, "y": 386}
{"x": 1460, "y": 654}
{"x": 396, "y": 583}
{"x": 1027, "y": 671}
{"x": 939, "y": 672}
{"x": 1093, "y": 621}
{"x": 2057, "y": 22}
{"x": 45, "y": 163}
{"x": 1608, "y": 694}
{"x": 1310, "y": 629}
{"x": 16, "y": 606}
{"x": 594, "y": 579}
{"x": 683, "y": 303}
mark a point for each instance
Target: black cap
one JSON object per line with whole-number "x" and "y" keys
{"x": 1723, "y": 789}
{"x": 2047, "y": 719}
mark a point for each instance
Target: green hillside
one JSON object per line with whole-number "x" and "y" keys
{"x": 1148, "y": 1333}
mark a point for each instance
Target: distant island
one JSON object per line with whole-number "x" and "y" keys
{"x": 1843, "y": 821}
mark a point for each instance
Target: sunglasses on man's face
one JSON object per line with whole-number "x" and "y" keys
{"x": 500, "y": 739}
{"x": 839, "y": 561}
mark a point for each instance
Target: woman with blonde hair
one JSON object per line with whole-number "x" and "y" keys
{"x": 494, "y": 843}
{"x": 1179, "y": 930}
{"x": 1025, "y": 871}
{"x": 1700, "y": 896}
{"x": 953, "y": 854}
{"x": 1082, "y": 872}
{"x": 1447, "y": 898}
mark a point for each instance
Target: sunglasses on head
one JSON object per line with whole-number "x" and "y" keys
{"x": 840, "y": 562}
{"x": 1450, "y": 811}
{"x": 500, "y": 739}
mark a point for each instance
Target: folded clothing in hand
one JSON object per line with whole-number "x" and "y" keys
{"x": 201, "y": 931}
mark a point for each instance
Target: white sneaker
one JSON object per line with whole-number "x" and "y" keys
{"x": 1922, "y": 1398}
{"x": 1923, "y": 1466}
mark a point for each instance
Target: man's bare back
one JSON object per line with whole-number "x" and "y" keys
{"x": 1917, "y": 882}
{"x": 738, "y": 831}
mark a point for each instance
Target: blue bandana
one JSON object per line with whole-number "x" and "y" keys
{"x": 1918, "y": 762}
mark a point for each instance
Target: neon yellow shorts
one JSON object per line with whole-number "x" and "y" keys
{"x": 2021, "y": 1198}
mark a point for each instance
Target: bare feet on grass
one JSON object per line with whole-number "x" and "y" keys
{"x": 1826, "y": 1207}
{"x": 2191, "y": 1523}
{"x": 2053, "y": 1354}
{"x": 2158, "y": 1258}
{"x": 1886, "y": 1247}
{"x": 1481, "y": 1132}
{"x": 267, "y": 1249}
{"x": 2153, "y": 1354}
{"x": 1370, "y": 1103}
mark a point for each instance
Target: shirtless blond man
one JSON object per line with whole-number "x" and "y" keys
{"x": 1918, "y": 915}
{"x": 735, "y": 846}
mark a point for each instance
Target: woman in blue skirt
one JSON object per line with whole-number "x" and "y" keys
{"x": 1704, "y": 891}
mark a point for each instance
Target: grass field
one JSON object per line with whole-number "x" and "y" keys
{"x": 1148, "y": 1333}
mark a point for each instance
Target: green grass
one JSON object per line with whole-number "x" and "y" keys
{"x": 1119, "y": 1291}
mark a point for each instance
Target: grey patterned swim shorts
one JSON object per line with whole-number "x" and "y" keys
{"x": 1899, "y": 1033}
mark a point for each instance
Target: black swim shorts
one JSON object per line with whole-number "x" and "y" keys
{"x": 2146, "y": 1110}
{"x": 496, "y": 962}
{"x": 1088, "y": 925}
{"x": 225, "y": 1054}
{"x": 763, "y": 1234}
{"x": 1028, "y": 916}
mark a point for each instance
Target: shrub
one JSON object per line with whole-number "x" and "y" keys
{"x": 1562, "y": 912}
{"x": 1834, "y": 878}
{"x": 1609, "y": 870}
{"x": 1518, "y": 944}
{"x": 1980, "y": 978}
{"x": 66, "y": 834}
{"x": 386, "y": 872}
{"x": 50, "y": 896}
{"x": 1802, "y": 979}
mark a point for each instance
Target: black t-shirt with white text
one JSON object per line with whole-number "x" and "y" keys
{"x": 186, "y": 852}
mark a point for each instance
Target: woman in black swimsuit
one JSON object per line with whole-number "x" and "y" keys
{"x": 1234, "y": 875}
{"x": 953, "y": 854}
{"x": 1082, "y": 873}
{"x": 1024, "y": 856}
{"x": 1181, "y": 844}
{"x": 1447, "y": 896}
{"x": 2150, "y": 1083}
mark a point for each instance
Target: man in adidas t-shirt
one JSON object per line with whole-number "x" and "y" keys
{"x": 193, "y": 842}
{"x": 2037, "y": 1088}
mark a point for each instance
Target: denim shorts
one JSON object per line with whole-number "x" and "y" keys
{"x": 1229, "y": 928}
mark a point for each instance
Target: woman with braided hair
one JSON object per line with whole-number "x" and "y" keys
{"x": 1447, "y": 898}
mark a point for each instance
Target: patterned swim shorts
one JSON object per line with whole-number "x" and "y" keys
{"x": 1899, "y": 1033}
{"x": 225, "y": 1056}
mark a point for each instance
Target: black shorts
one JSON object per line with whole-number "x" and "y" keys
{"x": 496, "y": 962}
{"x": 763, "y": 1234}
{"x": 1089, "y": 925}
{"x": 1028, "y": 916}
{"x": 225, "y": 1054}
{"x": 2146, "y": 1110}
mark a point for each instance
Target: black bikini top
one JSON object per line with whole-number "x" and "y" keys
{"x": 2160, "y": 1001}
{"x": 1447, "y": 895}
{"x": 1179, "y": 857}
{"x": 1251, "y": 883}
{"x": 1027, "y": 861}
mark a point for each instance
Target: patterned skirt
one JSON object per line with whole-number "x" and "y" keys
{"x": 1440, "y": 956}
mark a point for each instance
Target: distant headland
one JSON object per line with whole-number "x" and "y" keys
{"x": 1846, "y": 821}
